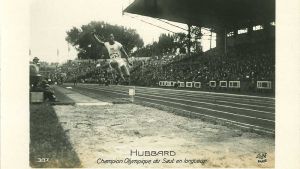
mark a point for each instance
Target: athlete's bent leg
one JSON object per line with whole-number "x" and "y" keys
{"x": 125, "y": 70}
{"x": 116, "y": 66}
{"x": 126, "y": 73}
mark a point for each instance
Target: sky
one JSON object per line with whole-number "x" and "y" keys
{"x": 50, "y": 19}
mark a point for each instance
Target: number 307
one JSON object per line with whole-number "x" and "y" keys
{"x": 42, "y": 160}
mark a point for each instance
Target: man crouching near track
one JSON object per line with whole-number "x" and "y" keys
{"x": 115, "y": 50}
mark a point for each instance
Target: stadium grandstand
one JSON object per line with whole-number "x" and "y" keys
{"x": 244, "y": 56}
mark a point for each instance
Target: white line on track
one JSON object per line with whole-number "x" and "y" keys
{"x": 209, "y": 104}
{"x": 243, "y": 104}
{"x": 224, "y": 112}
{"x": 220, "y": 105}
{"x": 244, "y": 125}
{"x": 197, "y": 107}
{"x": 211, "y": 97}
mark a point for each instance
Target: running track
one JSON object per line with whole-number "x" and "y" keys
{"x": 254, "y": 112}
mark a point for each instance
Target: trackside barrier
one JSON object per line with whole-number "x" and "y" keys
{"x": 197, "y": 85}
{"x": 264, "y": 84}
{"x": 162, "y": 83}
{"x": 189, "y": 84}
{"x": 212, "y": 83}
{"x": 181, "y": 84}
{"x": 223, "y": 83}
{"x": 234, "y": 84}
{"x": 168, "y": 83}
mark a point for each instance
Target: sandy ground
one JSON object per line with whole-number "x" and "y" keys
{"x": 111, "y": 132}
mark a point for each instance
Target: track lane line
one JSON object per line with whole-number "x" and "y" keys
{"x": 197, "y": 107}
{"x": 209, "y": 99}
{"x": 223, "y": 119}
{"x": 224, "y": 112}
{"x": 220, "y": 105}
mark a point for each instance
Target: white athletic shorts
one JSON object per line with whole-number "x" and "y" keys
{"x": 119, "y": 61}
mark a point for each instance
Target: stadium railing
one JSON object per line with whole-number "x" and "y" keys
{"x": 264, "y": 85}
{"x": 189, "y": 84}
{"x": 223, "y": 84}
{"x": 234, "y": 84}
{"x": 181, "y": 84}
{"x": 212, "y": 84}
{"x": 197, "y": 84}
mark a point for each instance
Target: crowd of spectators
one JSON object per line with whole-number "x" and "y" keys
{"x": 99, "y": 71}
{"x": 89, "y": 71}
{"x": 243, "y": 63}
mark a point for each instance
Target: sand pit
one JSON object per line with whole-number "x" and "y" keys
{"x": 111, "y": 132}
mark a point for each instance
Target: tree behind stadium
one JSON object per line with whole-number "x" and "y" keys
{"x": 88, "y": 48}
{"x": 169, "y": 43}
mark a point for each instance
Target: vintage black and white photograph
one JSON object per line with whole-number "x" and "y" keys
{"x": 152, "y": 84}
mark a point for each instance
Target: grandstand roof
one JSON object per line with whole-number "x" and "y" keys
{"x": 207, "y": 13}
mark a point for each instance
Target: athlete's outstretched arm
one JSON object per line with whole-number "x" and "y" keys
{"x": 100, "y": 41}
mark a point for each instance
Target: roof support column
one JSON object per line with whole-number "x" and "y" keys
{"x": 225, "y": 41}
{"x": 189, "y": 38}
{"x": 210, "y": 38}
{"x": 221, "y": 40}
